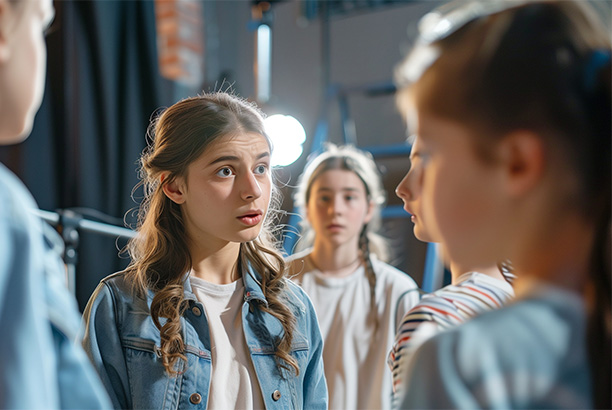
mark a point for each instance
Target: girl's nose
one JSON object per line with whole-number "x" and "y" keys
{"x": 403, "y": 189}
{"x": 336, "y": 206}
{"x": 250, "y": 187}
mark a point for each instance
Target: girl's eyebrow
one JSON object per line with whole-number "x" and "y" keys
{"x": 325, "y": 189}
{"x": 225, "y": 158}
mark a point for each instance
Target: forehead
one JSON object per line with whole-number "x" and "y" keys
{"x": 338, "y": 179}
{"x": 432, "y": 128}
{"x": 245, "y": 143}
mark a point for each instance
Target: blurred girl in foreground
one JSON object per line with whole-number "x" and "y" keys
{"x": 517, "y": 160}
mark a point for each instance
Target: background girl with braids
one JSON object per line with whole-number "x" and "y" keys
{"x": 359, "y": 299}
{"x": 204, "y": 314}
{"x": 518, "y": 166}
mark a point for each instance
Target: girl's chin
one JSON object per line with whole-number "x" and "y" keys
{"x": 250, "y": 236}
{"x": 422, "y": 236}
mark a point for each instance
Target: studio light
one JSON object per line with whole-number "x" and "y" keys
{"x": 287, "y": 136}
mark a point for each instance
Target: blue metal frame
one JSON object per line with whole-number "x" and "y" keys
{"x": 333, "y": 92}
{"x": 433, "y": 274}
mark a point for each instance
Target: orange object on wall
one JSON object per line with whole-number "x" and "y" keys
{"x": 180, "y": 40}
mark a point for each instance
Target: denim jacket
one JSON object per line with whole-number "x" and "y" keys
{"x": 41, "y": 366}
{"x": 123, "y": 343}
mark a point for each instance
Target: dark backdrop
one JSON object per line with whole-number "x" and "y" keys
{"x": 102, "y": 87}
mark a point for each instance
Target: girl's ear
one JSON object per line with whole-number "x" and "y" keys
{"x": 174, "y": 190}
{"x": 523, "y": 156}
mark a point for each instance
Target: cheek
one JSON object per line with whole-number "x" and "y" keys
{"x": 358, "y": 214}
{"x": 266, "y": 193}
{"x": 438, "y": 201}
{"x": 36, "y": 51}
{"x": 462, "y": 205}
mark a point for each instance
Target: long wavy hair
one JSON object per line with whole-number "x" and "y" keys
{"x": 160, "y": 257}
{"x": 542, "y": 66}
{"x": 361, "y": 163}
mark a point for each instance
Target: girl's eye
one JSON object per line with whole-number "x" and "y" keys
{"x": 261, "y": 169}
{"x": 225, "y": 172}
{"x": 324, "y": 199}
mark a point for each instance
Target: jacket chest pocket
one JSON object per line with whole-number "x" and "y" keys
{"x": 151, "y": 386}
{"x": 280, "y": 388}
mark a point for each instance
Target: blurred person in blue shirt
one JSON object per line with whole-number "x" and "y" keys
{"x": 40, "y": 365}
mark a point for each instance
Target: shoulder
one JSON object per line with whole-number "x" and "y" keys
{"x": 118, "y": 286}
{"x": 17, "y": 206}
{"x": 299, "y": 299}
{"x": 14, "y": 196}
{"x": 117, "y": 280}
{"x": 391, "y": 275}
{"x": 115, "y": 298}
{"x": 297, "y": 264}
{"x": 434, "y": 307}
{"x": 541, "y": 330}
{"x": 296, "y": 293}
{"x": 527, "y": 348}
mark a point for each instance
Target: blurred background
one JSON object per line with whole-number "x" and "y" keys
{"x": 112, "y": 64}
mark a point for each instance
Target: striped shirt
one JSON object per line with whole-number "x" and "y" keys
{"x": 474, "y": 293}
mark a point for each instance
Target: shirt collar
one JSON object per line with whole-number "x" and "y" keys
{"x": 252, "y": 286}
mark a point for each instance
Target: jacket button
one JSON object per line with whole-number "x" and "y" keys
{"x": 195, "y": 398}
{"x": 196, "y": 311}
{"x": 276, "y": 395}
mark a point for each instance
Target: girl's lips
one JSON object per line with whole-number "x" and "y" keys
{"x": 412, "y": 216}
{"x": 334, "y": 227}
{"x": 251, "y": 219}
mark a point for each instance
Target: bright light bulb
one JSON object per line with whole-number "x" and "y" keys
{"x": 288, "y": 136}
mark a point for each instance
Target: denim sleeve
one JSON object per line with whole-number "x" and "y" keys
{"x": 78, "y": 384}
{"x": 27, "y": 360}
{"x": 315, "y": 385}
{"x": 102, "y": 343}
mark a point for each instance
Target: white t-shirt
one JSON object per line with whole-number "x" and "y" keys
{"x": 354, "y": 358}
{"x": 234, "y": 383}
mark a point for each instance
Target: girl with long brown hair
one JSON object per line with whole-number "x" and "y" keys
{"x": 204, "y": 314}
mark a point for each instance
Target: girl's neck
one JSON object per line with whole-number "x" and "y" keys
{"x": 458, "y": 270}
{"x": 563, "y": 260}
{"x": 336, "y": 261}
{"x": 218, "y": 266}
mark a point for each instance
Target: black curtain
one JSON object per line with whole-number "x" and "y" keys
{"x": 102, "y": 86}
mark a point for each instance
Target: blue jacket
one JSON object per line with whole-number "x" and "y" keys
{"x": 41, "y": 366}
{"x": 123, "y": 344}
